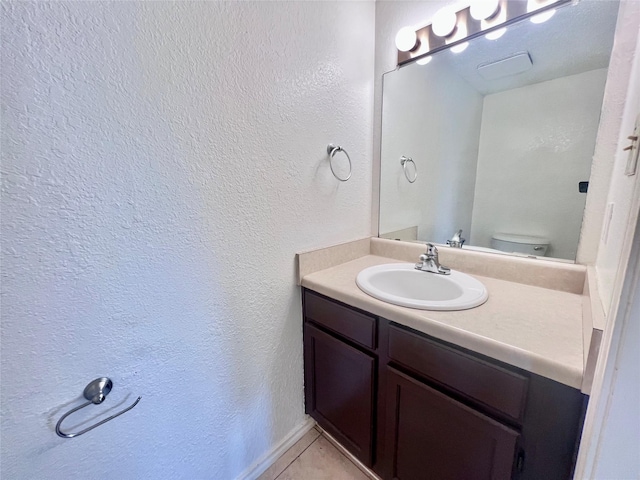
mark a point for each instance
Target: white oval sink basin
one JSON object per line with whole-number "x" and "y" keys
{"x": 401, "y": 284}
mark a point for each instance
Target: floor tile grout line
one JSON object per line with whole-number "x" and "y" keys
{"x": 298, "y": 456}
{"x": 366, "y": 474}
{"x": 351, "y": 461}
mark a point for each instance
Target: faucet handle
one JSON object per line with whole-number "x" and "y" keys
{"x": 456, "y": 240}
{"x": 432, "y": 251}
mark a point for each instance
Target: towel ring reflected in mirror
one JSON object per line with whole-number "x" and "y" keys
{"x": 404, "y": 161}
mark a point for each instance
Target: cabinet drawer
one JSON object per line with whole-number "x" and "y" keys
{"x": 496, "y": 387}
{"x": 349, "y": 323}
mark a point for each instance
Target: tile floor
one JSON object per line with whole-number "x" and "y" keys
{"x": 313, "y": 457}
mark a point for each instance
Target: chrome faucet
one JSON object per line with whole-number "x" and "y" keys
{"x": 429, "y": 262}
{"x": 456, "y": 241}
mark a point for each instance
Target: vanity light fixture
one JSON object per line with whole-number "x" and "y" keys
{"x": 451, "y": 29}
{"x": 406, "y": 39}
{"x": 444, "y": 22}
{"x": 483, "y": 9}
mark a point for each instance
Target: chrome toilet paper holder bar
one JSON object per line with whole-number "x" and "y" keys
{"x": 95, "y": 392}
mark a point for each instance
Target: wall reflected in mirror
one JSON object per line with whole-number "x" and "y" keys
{"x": 501, "y": 135}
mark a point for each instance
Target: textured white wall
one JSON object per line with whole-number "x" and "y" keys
{"x": 439, "y": 127}
{"x": 617, "y": 453}
{"x": 162, "y": 163}
{"x": 609, "y": 446}
{"x": 534, "y": 190}
{"x": 618, "y": 81}
{"x": 622, "y": 186}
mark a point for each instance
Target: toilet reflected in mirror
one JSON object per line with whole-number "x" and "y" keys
{"x": 521, "y": 244}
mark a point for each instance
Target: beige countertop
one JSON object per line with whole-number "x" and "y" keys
{"x": 534, "y": 328}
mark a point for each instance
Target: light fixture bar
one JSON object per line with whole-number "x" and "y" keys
{"x": 429, "y": 43}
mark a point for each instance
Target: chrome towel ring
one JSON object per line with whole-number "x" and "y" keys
{"x": 95, "y": 392}
{"x": 332, "y": 150}
{"x": 404, "y": 161}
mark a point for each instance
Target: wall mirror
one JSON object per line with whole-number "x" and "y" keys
{"x": 500, "y": 135}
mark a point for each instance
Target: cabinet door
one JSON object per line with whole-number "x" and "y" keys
{"x": 432, "y": 436}
{"x": 339, "y": 390}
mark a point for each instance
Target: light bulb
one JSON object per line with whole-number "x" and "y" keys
{"x": 496, "y": 34}
{"x": 424, "y": 60}
{"x": 444, "y": 21}
{"x": 483, "y": 9}
{"x": 461, "y": 47}
{"x": 543, "y": 17}
{"x": 406, "y": 39}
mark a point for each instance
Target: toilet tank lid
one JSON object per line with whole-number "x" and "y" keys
{"x": 512, "y": 237}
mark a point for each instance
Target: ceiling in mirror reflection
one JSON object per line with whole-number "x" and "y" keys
{"x": 576, "y": 39}
{"x": 500, "y": 156}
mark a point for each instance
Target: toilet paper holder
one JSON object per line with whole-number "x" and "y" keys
{"x": 96, "y": 392}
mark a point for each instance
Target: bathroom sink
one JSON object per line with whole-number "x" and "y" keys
{"x": 401, "y": 284}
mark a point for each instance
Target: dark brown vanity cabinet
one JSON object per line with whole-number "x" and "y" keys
{"x": 339, "y": 391}
{"x": 413, "y": 407}
{"x": 340, "y": 372}
{"x": 432, "y": 436}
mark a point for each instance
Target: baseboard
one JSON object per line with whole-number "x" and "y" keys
{"x": 269, "y": 458}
